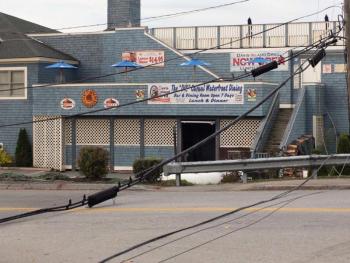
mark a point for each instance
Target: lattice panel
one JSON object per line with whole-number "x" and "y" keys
{"x": 68, "y": 132}
{"x": 127, "y": 132}
{"x": 47, "y": 142}
{"x": 159, "y": 132}
{"x": 92, "y": 132}
{"x": 241, "y": 134}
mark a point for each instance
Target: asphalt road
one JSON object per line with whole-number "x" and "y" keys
{"x": 315, "y": 227}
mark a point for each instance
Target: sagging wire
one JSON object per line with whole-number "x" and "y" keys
{"x": 67, "y": 207}
{"x": 244, "y": 227}
{"x": 274, "y": 198}
{"x": 112, "y": 192}
{"x": 155, "y": 18}
{"x": 298, "y": 71}
{"x": 229, "y": 233}
{"x": 178, "y": 57}
{"x": 217, "y": 225}
{"x": 257, "y": 72}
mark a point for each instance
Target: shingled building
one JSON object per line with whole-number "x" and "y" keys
{"x": 313, "y": 103}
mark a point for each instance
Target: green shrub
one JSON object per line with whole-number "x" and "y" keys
{"x": 344, "y": 147}
{"x": 93, "y": 162}
{"x": 343, "y": 144}
{"x": 24, "y": 153}
{"x": 5, "y": 158}
{"x": 141, "y": 165}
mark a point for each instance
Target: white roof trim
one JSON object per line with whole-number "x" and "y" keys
{"x": 87, "y": 33}
{"x": 70, "y": 34}
{"x": 181, "y": 55}
{"x": 35, "y": 60}
{"x": 88, "y": 85}
{"x": 101, "y": 85}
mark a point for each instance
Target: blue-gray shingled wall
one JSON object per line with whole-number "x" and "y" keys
{"x": 336, "y": 100}
{"x": 311, "y": 101}
{"x": 20, "y": 111}
{"x": 97, "y": 52}
{"x": 47, "y": 102}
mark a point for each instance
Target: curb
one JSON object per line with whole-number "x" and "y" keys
{"x": 68, "y": 186}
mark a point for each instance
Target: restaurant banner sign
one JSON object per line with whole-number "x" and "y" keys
{"x": 213, "y": 93}
{"x": 145, "y": 58}
{"x": 249, "y": 60}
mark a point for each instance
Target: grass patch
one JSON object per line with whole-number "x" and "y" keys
{"x": 53, "y": 176}
{"x": 14, "y": 177}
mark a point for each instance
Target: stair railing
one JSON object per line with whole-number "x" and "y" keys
{"x": 265, "y": 127}
{"x": 287, "y": 134}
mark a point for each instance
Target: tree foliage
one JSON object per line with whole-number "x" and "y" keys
{"x": 24, "y": 153}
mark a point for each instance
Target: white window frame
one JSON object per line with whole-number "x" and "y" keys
{"x": 25, "y": 82}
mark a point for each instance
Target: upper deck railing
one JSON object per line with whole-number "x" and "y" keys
{"x": 245, "y": 36}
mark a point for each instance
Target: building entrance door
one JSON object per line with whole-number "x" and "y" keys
{"x": 192, "y": 133}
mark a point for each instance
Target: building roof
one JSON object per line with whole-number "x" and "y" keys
{"x": 11, "y": 23}
{"x": 14, "y": 43}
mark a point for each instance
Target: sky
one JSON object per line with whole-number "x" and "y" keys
{"x": 69, "y": 13}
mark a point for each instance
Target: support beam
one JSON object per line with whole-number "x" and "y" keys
{"x": 74, "y": 144}
{"x": 111, "y": 144}
{"x": 142, "y": 138}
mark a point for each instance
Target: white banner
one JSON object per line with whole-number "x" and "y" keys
{"x": 144, "y": 58}
{"x": 213, "y": 93}
{"x": 154, "y": 58}
{"x": 248, "y": 60}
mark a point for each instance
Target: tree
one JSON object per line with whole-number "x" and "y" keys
{"x": 24, "y": 153}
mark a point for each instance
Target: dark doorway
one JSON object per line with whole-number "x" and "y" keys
{"x": 193, "y": 132}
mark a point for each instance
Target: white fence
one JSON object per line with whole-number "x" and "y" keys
{"x": 245, "y": 36}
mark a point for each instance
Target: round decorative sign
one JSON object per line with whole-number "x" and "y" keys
{"x": 67, "y": 104}
{"x": 111, "y": 103}
{"x": 89, "y": 98}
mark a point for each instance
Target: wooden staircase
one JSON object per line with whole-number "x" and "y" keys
{"x": 277, "y": 132}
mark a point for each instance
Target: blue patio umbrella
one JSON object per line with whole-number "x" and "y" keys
{"x": 259, "y": 60}
{"x": 126, "y": 64}
{"x": 61, "y": 65}
{"x": 195, "y": 63}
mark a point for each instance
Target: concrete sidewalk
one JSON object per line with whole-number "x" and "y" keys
{"x": 319, "y": 184}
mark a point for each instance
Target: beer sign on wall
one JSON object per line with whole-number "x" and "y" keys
{"x": 154, "y": 58}
{"x": 249, "y": 60}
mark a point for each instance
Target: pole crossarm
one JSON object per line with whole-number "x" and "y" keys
{"x": 256, "y": 164}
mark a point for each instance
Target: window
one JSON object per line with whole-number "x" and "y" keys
{"x": 13, "y": 83}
